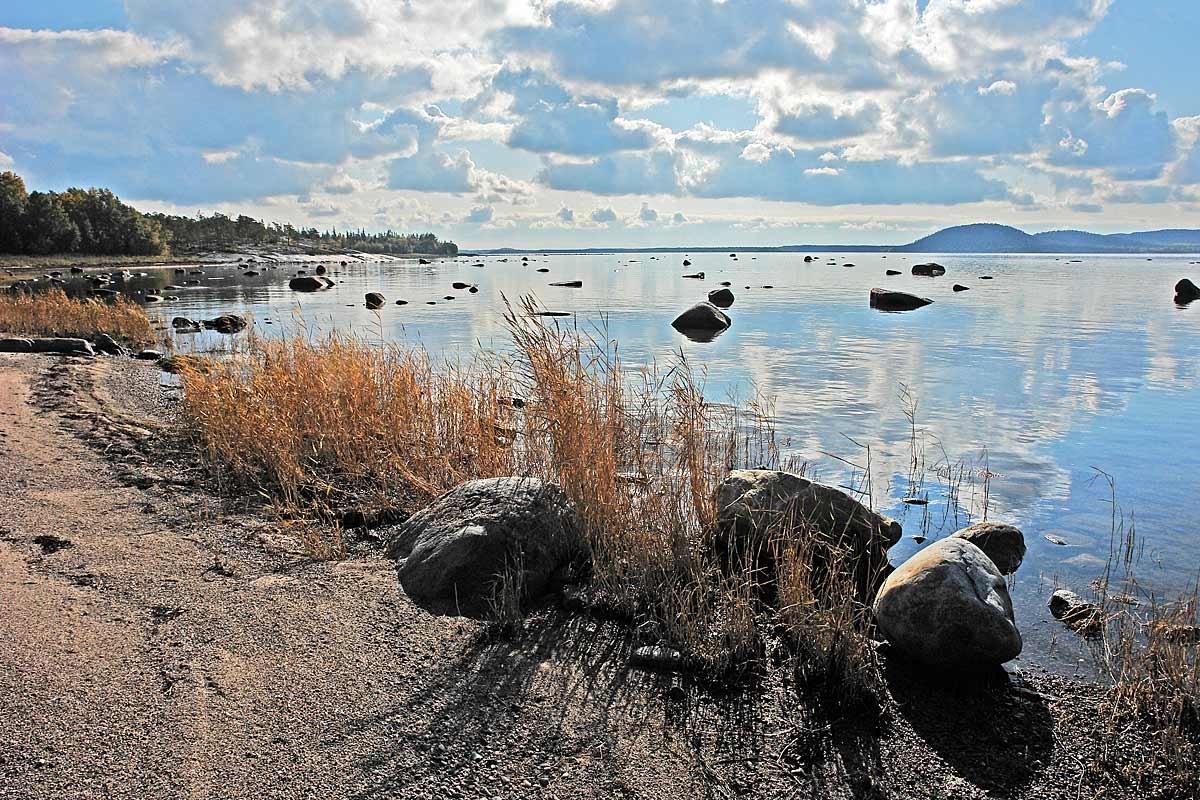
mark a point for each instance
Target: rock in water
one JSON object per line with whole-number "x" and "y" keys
{"x": 569, "y": 284}
{"x": 756, "y": 505}
{"x": 375, "y": 300}
{"x": 309, "y": 283}
{"x": 887, "y": 300}
{"x": 958, "y": 287}
{"x": 929, "y": 270}
{"x": 185, "y": 325}
{"x": 948, "y": 607}
{"x": 721, "y": 298}
{"x": 1003, "y": 544}
{"x": 702, "y": 317}
{"x": 696, "y": 275}
{"x": 1076, "y": 613}
{"x": 226, "y": 323}
{"x": 451, "y": 554}
{"x": 1186, "y": 292}
{"x": 891, "y": 272}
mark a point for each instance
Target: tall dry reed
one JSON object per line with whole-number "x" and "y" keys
{"x": 53, "y": 313}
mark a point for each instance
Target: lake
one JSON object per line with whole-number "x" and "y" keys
{"x": 1057, "y": 367}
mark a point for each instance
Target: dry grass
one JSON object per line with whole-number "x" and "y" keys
{"x": 321, "y": 427}
{"x": 52, "y": 313}
{"x": 1149, "y": 647}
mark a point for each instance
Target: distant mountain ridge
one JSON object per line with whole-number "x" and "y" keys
{"x": 988, "y": 237}
{"x": 980, "y": 237}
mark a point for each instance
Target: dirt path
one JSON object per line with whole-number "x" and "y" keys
{"x": 155, "y": 642}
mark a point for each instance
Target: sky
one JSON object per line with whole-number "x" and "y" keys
{"x": 594, "y": 123}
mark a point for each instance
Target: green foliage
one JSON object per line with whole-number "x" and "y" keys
{"x": 91, "y": 222}
{"x": 222, "y": 231}
{"x": 96, "y": 222}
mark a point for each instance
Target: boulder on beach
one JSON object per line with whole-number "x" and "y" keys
{"x": 929, "y": 270}
{"x": 226, "y": 323}
{"x": 16, "y": 345}
{"x": 375, "y": 300}
{"x": 721, "y": 298}
{"x": 149, "y": 355}
{"x": 756, "y": 506}
{"x": 887, "y": 300}
{"x": 702, "y": 317}
{"x": 309, "y": 283}
{"x": 451, "y": 555}
{"x": 1186, "y": 292}
{"x": 107, "y": 345}
{"x": 1003, "y": 544}
{"x": 948, "y": 607}
{"x": 64, "y": 346}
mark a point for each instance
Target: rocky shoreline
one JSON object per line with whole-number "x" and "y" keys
{"x": 260, "y": 672}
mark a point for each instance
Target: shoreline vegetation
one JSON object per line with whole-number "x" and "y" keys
{"x": 337, "y": 434}
{"x": 94, "y": 222}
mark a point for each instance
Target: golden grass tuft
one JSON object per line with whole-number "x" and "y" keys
{"x": 53, "y": 313}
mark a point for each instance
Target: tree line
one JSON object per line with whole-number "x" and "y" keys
{"x": 96, "y": 222}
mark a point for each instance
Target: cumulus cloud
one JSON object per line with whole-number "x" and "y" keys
{"x": 647, "y": 214}
{"x": 479, "y": 215}
{"x": 604, "y": 216}
{"x": 566, "y": 215}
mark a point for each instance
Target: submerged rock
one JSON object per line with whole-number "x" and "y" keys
{"x": 887, "y": 300}
{"x": 930, "y": 270}
{"x": 185, "y": 325}
{"x": 569, "y": 284}
{"x": 721, "y": 298}
{"x": 958, "y": 287}
{"x": 1076, "y": 613}
{"x": 696, "y": 275}
{"x": 1003, "y": 544}
{"x": 451, "y": 554}
{"x": 948, "y": 607}
{"x": 375, "y": 300}
{"x": 891, "y": 272}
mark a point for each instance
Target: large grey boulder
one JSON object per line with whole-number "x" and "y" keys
{"x": 757, "y": 507}
{"x": 948, "y": 607}
{"x": 1003, "y": 544}
{"x": 451, "y": 554}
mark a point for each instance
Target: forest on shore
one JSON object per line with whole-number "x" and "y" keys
{"x": 96, "y": 222}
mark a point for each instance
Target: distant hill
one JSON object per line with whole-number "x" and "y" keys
{"x": 993, "y": 238}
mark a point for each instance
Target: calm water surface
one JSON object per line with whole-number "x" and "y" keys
{"x": 1044, "y": 374}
